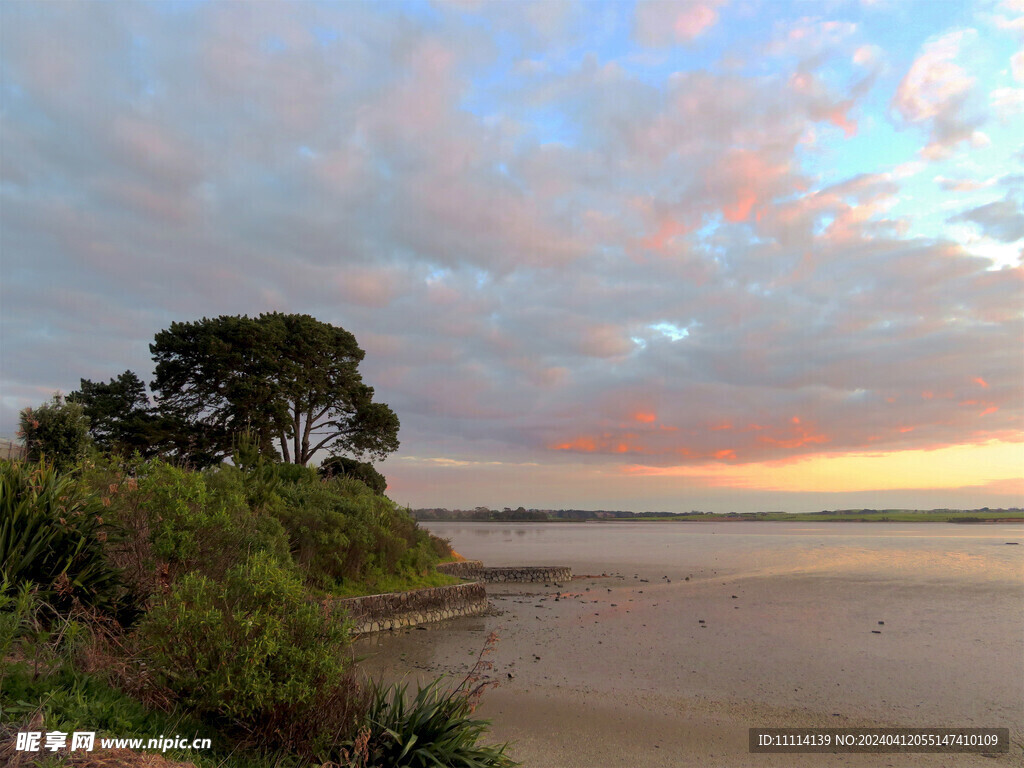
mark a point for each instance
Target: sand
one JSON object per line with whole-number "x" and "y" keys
{"x": 647, "y": 668}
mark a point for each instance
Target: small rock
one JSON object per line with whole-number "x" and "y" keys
{"x": 876, "y": 632}
{"x": 881, "y": 623}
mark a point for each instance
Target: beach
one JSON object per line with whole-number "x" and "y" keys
{"x": 691, "y": 637}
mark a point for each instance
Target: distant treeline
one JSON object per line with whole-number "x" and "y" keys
{"x": 485, "y": 514}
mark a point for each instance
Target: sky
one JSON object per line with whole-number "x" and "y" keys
{"x": 717, "y": 255}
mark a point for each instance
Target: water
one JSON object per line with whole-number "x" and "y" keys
{"x": 975, "y": 554}
{"x": 786, "y": 624}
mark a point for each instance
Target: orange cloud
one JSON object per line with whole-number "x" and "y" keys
{"x": 725, "y": 453}
{"x": 799, "y": 435}
{"x": 583, "y": 444}
{"x": 668, "y": 230}
{"x": 980, "y": 381}
{"x": 645, "y": 416}
{"x": 740, "y": 210}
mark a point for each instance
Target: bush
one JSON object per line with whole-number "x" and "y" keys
{"x": 341, "y": 531}
{"x": 175, "y": 521}
{"x": 252, "y": 653}
{"x": 342, "y": 466}
{"x": 433, "y": 728}
{"x": 58, "y": 431}
{"x": 51, "y": 537}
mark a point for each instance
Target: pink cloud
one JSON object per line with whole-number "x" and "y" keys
{"x": 603, "y": 340}
{"x": 366, "y": 287}
{"x": 934, "y": 93}
{"x": 750, "y": 179}
{"x": 664, "y": 22}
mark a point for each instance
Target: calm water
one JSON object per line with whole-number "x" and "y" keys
{"x": 914, "y": 624}
{"x": 922, "y": 551}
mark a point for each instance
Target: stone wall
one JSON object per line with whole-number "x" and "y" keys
{"x": 374, "y": 613}
{"x": 465, "y": 569}
{"x": 474, "y": 569}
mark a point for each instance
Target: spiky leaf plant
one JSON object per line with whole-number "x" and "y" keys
{"x": 432, "y": 729}
{"x": 51, "y": 536}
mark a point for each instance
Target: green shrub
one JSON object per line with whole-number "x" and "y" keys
{"x": 295, "y": 473}
{"x": 252, "y": 653}
{"x": 51, "y": 537}
{"x": 342, "y": 466}
{"x": 57, "y": 430}
{"x": 175, "y": 520}
{"x": 340, "y": 531}
{"x": 433, "y": 728}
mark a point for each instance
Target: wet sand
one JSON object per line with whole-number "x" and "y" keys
{"x": 645, "y": 667}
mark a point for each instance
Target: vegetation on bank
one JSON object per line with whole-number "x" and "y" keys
{"x": 140, "y": 598}
{"x": 483, "y": 514}
{"x": 149, "y": 588}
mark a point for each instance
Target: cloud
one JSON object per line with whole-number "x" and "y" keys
{"x": 659, "y": 23}
{"x": 606, "y": 256}
{"x": 1002, "y": 220}
{"x": 935, "y": 93}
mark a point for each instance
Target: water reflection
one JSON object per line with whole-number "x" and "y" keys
{"x": 868, "y": 550}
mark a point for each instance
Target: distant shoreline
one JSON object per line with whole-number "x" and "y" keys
{"x": 868, "y": 516}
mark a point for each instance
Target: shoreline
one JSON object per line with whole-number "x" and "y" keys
{"x": 647, "y": 668}
{"x": 794, "y": 517}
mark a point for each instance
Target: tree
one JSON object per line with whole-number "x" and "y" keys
{"x": 57, "y": 430}
{"x": 336, "y": 466}
{"x": 283, "y": 377}
{"x": 121, "y": 419}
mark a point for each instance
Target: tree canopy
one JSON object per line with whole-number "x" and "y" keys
{"x": 283, "y": 377}
{"x": 121, "y": 418}
{"x": 343, "y": 466}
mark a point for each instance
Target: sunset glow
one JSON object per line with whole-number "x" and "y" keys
{"x": 997, "y": 463}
